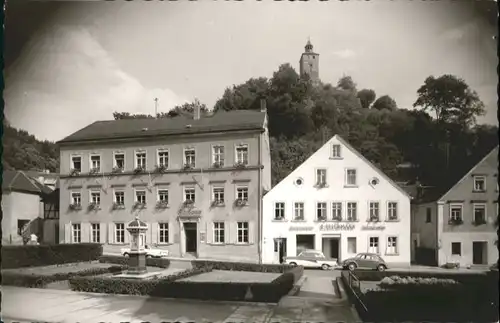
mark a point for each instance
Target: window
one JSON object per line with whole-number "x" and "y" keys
{"x": 189, "y": 157}
{"x": 242, "y": 154}
{"x": 218, "y": 156}
{"x": 189, "y": 194}
{"x": 219, "y": 232}
{"x": 373, "y": 245}
{"x": 321, "y": 211}
{"x": 163, "y": 195}
{"x": 456, "y": 248}
{"x": 163, "y": 158}
{"x": 140, "y": 197}
{"x": 242, "y": 193}
{"x": 337, "y": 211}
{"x": 351, "y": 179}
{"x": 479, "y": 213}
{"x": 279, "y": 211}
{"x": 298, "y": 211}
{"x": 392, "y": 211}
{"x": 351, "y": 245}
{"x": 140, "y": 159}
{"x": 428, "y": 215}
{"x": 76, "y": 198}
{"x": 336, "y": 151}
{"x": 352, "y": 211}
{"x": 20, "y": 226}
{"x": 95, "y": 163}
{"x": 95, "y": 197}
{"x": 96, "y": 233}
{"x": 76, "y": 163}
{"x": 163, "y": 232}
{"x": 479, "y": 183}
{"x": 77, "y": 233}
{"x": 456, "y": 213}
{"x": 243, "y": 232}
{"x": 120, "y": 197}
{"x": 218, "y": 195}
{"x": 392, "y": 245}
{"x": 374, "y": 211}
{"x": 119, "y": 232}
{"x": 119, "y": 162}
{"x": 320, "y": 177}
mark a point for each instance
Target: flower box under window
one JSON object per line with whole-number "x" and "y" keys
{"x": 74, "y": 172}
{"x": 188, "y": 166}
{"x": 374, "y": 218}
{"x": 75, "y": 206}
{"x": 139, "y": 205}
{"x": 240, "y": 165}
{"x": 117, "y": 170}
{"x": 299, "y": 218}
{"x": 279, "y": 218}
{"x": 94, "y": 207}
{"x": 337, "y": 218}
{"x": 160, "y": 168}
{"x": 351, "y": 218}
{"x": 217, "y": 165}
{"x": 240, "y": 202}
{"x": 322, "y": 218}
{"x": 161, "y": 204}
{"x": 218, "y": 203}
{"x": 94, "y": 171}
{"x": 321, "y": 184}
{"x": 392, "y": 218}
{"x": 479, "y": 221}
{"x": 455, "y": 221}
{"x": 188, "y": 202}
{"x": 139, "y": 169}
{"x": 118, "y": 206}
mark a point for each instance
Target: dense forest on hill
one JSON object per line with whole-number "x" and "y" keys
{"x": 302, "y": 117}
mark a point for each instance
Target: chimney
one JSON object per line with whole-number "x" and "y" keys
{"x": 263, "y": 107}
{"x": 197, "y": 112}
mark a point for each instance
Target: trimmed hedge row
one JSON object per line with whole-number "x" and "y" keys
{"x": 121, "y": 260}
{"x": 170, "y": 287}
{"x": 40, "y": 281}
{"x": 46, "y": 255}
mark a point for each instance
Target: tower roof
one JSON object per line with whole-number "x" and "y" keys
{"x": 309, "y": 46}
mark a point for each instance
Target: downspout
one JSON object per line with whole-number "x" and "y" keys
{"x": 259, "y": 217}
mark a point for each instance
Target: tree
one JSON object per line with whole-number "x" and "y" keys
{"x": 186, "y": 109}
{"x": 245, "y": 96}
{"x": 346, "y": 83}
{"x": 366, "y": 96}
{"x": 385, "y": 102}
{"x": 451, "y": 99}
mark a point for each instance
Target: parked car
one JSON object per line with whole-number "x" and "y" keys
{"x": 365, "y": 261}
{"x": 150, "y": 252}
{"x": 312, "y": 259}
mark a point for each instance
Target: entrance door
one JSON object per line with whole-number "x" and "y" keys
{"x": 279, "y": 250}
{"x": 191, "y": 233}
{"x": 334, "y": 248}
{"x": 478, "y": 252}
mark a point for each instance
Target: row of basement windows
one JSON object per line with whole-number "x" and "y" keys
{"x": 162, "y": 197}
{"x": 336, "y": 214}
{"x": 220, "y": 235}
{"x": 374, "y": 246}
{"x": 162, "y": 159}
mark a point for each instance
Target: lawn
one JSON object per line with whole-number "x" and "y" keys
{"x": 53, "y": 269}
{"x": 233, "y": 276}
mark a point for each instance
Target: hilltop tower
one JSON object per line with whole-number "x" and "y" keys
{"x": 309, "y": 63}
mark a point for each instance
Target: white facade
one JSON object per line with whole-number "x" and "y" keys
{"x": 353, "y": 189}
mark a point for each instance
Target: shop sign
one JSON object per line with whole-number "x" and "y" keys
{"x": 336, "y": 227}
{"x": 373, "y": 228}
{"x": 297, "y": 228}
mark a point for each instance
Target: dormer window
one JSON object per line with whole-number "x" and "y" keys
{"x": 336, "y": 151}
{"x": 479, "y": 183}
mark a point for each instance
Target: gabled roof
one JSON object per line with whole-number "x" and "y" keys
{"x": 360, "y": 156}
{"x": 142, "y": 128}
{"x": 17, "y": 181}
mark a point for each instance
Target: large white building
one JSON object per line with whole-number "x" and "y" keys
{"x": 340, "y": 203}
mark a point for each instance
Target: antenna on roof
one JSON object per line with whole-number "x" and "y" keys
{"x": 156, "y": 107}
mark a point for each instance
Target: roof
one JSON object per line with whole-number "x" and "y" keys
{"x": 136, "y": 223}
{"x": 33, "y": 173}
{"x": 143, "y": 128}
{"x": 17, "y": 181}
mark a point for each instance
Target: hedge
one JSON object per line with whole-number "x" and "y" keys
{"x": 121, "y": 260}
{"x": 46, "y": 255}
{"x": 171, "y": 287}
{"x": 252, "y": 267}
{"x": 40, "y": 281}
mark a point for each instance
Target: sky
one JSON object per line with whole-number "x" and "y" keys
{"x": 78, "y": 62}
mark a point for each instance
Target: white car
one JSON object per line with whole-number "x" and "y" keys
{"x": 312, "y": 259}
{"x": 150, "y": 252}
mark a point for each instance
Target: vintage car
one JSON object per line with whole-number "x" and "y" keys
{"x": 365, "y": 261}
{"x": 312, "y": 259}
{"x": 150, "y": 252}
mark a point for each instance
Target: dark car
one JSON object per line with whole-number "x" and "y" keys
{"x": 365, "y": 261}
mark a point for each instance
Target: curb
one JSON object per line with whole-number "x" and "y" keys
{"x": 297, "y": 286}
{"x": 344, "y": 297}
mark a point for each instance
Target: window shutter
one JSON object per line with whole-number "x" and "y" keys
{"x": 233, "y": 235}
{"x": 67, "y": 233}
{"x": 227, "y": 232}
{"x": 127, "y": 237}
{"x": 172, "y": 229}
{"x": 86, "y": 232}
{"x": 251, "y": 232}
{"x": 102, "y": 232}
{"x": 111, "y": 232}
{"x": 154, "y": 232}
{"x": 209, "y": 232}
{"x": 149, "y": 233}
